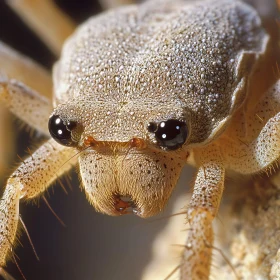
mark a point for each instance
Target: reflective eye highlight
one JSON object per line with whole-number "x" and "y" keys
{"x": 61, "y": 131}
{"x": 170, "y": 134}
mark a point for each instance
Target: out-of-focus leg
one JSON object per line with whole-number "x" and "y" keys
{"x": 6, "y": 140}
{"x": 13, "y": 65}
{"x": 26, "y": 104}
{"x": 47, "y": 21}
{"x": 16, "y": 66}
{"x": 5, "y": 274}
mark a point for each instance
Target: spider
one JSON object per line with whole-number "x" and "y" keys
{"x": 140, "y": 92}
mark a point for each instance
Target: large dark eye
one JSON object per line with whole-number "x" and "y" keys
{"x": 170, "y": 134}
{"x": 61, "y": 131}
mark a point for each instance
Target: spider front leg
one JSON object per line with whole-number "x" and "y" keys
{"x": 26, "y": 104}
{"x": 23, "y": 69}
{"x": 31, "y": 179}
{"x": 259, "y": 150}
{"x": 17, "y": 66}
{"x": 261, "y": 154}
{"x": 37, "y": 172}
{"x": 203, "y": 208}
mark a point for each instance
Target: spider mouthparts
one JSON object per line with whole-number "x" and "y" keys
{"x": 125, "y": 205}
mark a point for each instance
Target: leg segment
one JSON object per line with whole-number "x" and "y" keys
{"x": 48, "y": 22}
{"x": 258, "y": 155}
{"x": 26, "y": 104}
{"x": 16, "y": 66}
{"x": 259, "y": 149}
{"x": 202, "y": 210}
{"x": 31, "y": 179}
{"x": 6, "y": 140}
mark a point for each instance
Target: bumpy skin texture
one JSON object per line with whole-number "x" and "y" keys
{"x": 192, "y": 59}
{"x": 194, "y": 62}
{"x": 157, "y": 61}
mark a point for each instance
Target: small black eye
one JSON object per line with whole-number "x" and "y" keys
{"x": 61, "y": 131}
{"x": 152, "y": 127}
{"x": 171, "y": 134}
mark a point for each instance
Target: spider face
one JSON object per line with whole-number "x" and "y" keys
{"x": 123, "y": 164}
{"x": 172, "y": 99}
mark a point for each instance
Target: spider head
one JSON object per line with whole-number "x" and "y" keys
{"x": 129, "y": 163}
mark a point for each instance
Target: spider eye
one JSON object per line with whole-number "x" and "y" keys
{"x": 170, "y": 134}
{"x": 152, "y": 127}
{"x": 61, "y": 131}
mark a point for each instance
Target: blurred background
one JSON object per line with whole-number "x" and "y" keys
{"x": 92, "y": 245}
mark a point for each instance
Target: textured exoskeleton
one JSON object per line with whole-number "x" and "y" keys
{"x": 141, "y": 91}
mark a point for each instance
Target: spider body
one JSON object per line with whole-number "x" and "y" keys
{"x": 141, "y": 91}
{"x": 114, "y": 90}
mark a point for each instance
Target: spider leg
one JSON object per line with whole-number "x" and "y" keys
{"x": 202, "y": 210}
{"x": 21, "y": 68}
{"x": 259, "y": 150}
{"x": 26, "y": 104}
{"x": 47, "y": 21}
{"x": 31, "y": 179}
{"x": 17, "y": 66}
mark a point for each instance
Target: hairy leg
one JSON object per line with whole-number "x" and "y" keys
{"x": 48, "y": 22}
{"x": 19, "y": 67}
{"x": 26, "y": 104}
{"x": 6, "y": 141}
{"x": 31, "y": 179}
{"x": 203, "y": 208}
{"x": 259, "y": 148}
{"x": 16, "y": 66}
